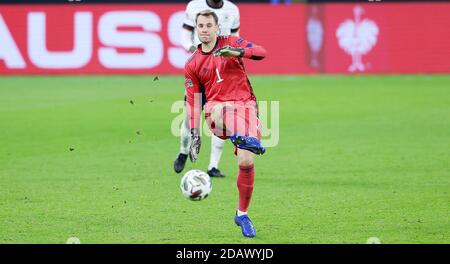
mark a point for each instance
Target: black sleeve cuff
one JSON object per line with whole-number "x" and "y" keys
{"x": 188, "y": 27}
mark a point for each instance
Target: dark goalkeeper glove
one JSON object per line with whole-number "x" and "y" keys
{"x": 195, "y": 144}
{"x": 228, "y": 51}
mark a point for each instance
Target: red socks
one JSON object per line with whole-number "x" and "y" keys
{"x": 245, "y": 181}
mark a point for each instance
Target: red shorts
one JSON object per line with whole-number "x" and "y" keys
{"x": 227, "y": 118}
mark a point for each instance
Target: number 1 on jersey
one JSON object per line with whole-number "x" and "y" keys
{"x": 218, "y": 75}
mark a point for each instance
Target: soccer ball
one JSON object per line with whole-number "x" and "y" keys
{"x": 196, "y": 185}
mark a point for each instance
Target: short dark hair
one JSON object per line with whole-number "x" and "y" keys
{"x": 207, "y": 13}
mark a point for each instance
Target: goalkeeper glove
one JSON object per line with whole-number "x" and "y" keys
{"x": 228, "y": 51}
{"x": 195, "y": 144}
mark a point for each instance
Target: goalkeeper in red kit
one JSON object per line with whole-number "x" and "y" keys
{"x": 217, "y": 69}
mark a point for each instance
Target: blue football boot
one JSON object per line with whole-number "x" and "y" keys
{"x": 246, "y": 225}
{"x": 248, "y": 143}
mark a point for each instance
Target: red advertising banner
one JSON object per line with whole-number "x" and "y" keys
{"x": 387, "y": 38}
{"x": 145, "y": 39}
{"x": 92, "y": 39}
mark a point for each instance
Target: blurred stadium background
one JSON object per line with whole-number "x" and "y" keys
{"x": 86, "y": 149}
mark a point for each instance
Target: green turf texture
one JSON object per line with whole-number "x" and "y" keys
{"x": 358, "y": 157}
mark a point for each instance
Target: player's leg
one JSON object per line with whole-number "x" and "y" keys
{"x": 245, "y": 182}
{"x": 249, "y": 143}
{"x": 185, "y": 137}
{"x": 246, "y": 133}
{"x": 185, "y": 141}
{"x": 216, "y": 149}
{"x": 239, "y": 121}
{"x": 216, "y": 153}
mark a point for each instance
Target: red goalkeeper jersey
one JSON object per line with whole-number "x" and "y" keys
{"x": 220, "y": 78}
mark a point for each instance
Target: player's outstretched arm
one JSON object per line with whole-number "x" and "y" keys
{"x": 187, "y": 39}
{"x": 229, "y": 51}
{"x": 242, "y": 48}
{"x": 193, "y": 96}
{"x": 193, "y": 106}
{"x": 187, "y": 32}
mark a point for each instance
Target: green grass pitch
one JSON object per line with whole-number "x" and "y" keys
{"x": 358, "y": 157}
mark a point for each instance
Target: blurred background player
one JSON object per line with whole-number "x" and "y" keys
{"x": 229, "y": 23}
{"x": 230, "y": 110}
